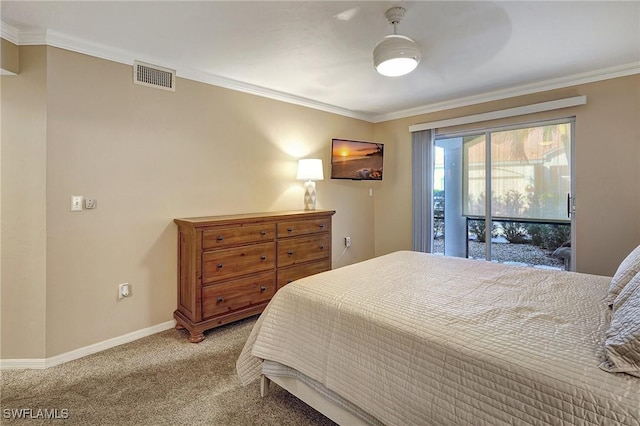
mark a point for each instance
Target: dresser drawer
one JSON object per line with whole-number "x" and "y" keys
{"x": 234, "y": 262}
{"x": 303, "y": 249}
{"x": 303, "y": 227}
{"x": 237, "y": 294}
{"x": 221, "y": 237}
{"x": 287, "y": 275}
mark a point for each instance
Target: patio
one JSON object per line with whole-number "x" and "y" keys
{"x": 526, "y": 254}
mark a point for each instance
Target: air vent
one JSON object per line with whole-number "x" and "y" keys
{"x": 154, "y": 76}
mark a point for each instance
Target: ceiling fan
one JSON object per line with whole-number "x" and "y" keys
{"x": 396, "y": 55}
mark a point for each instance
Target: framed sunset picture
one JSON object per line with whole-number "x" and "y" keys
{"x": 356, "y": 160}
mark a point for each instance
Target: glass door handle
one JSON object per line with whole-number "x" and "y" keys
{"x": 570, "y": 207}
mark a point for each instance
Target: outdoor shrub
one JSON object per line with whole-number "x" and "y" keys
{"x": 478, "y": 228}
{"x": 535, "y": 232}
{"x": 515, "y": 203}
{"x": 550, "y": 236}
{"x": 556, "y": 235}
{"x": 514, "y": 232}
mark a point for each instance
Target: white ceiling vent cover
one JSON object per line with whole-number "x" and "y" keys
{"x": 154, "y": 76}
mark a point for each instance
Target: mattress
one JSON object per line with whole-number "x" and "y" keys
{"x": 413, "y": 338}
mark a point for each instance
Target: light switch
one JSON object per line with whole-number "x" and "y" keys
{"x": 76, "y": 203}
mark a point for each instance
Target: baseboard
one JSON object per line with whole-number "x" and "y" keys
{"x": 22, "y": 364}
{"x": 14, "y": 364}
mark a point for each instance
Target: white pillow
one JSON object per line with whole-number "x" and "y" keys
{"x": 622, "y": 344}
{"x": 629, "y": 267}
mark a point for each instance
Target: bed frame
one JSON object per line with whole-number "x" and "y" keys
{"x": 312, "y": 398}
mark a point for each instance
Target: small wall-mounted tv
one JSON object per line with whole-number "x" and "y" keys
{"x": 356, "y": 160}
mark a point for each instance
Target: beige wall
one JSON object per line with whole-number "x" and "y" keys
{"x": 148, "y": 156}
{"x": 9, "y": 57}
{"x": 23, "y": 233}
{"x": 607, "y": 170}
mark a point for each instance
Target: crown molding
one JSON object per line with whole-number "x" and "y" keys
{"x": 32, "y": 38}
{"x": 63, "y": 41}
{"x": 9, "y": 33}
{"x": 239, "y": 86}
{"x": 526, "y": 89}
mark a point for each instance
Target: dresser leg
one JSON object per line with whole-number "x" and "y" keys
{"x": 196, "y": 338}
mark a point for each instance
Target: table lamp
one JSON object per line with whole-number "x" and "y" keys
{"x": 310, "y": 170}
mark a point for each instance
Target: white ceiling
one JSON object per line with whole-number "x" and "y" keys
{"x": 319, "y": 53}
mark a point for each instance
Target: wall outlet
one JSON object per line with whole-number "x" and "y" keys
{"x": 124, "y": 290}
{"x": 90, "y": 203}
{"x": 347, "y": 242}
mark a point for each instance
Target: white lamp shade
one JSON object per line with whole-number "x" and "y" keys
{"x": 310, "y": 169}
{"x": 396, "y": 55}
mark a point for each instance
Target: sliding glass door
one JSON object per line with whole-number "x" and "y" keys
{"x": 527, "y": 172}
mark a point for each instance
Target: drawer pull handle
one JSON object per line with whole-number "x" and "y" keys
{"x": 290, "y": 253}
{"x": 263, "y": 233}
{"x": 263, "y": 257}
{"x": 262, "y": 289}
{"x": 289, "y": 229}
{"x": 220, "y": 299}
{"x": 321, "y": 225}
{"x": 220, "y": 265}
{"x": 220, "y": 238}
{"x": 322, "y": 247}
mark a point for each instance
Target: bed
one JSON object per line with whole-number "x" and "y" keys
{"x": 413, "y": 338}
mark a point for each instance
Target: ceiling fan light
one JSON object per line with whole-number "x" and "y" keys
{"x": 396, "y": 55}
{"x": 397, "y": 67}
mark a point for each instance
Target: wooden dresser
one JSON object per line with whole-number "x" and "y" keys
{"x": 229, "y": 267}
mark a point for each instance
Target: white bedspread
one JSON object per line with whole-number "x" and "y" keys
{"x": 414, "y": 338}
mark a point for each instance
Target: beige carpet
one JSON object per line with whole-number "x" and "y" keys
{"x": 158, "y": 380}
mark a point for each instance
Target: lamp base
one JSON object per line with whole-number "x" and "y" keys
{"x": 309, "y": 195}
